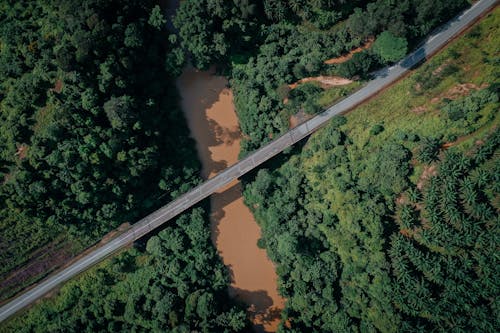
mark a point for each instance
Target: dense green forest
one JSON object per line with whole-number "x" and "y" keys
{"x": 387, "y": 219}
{"x": 91, "y": 135}
{"x": 177, "y": 284}
{"x": 269, "y": 44}
{"x": 350, "y": 259}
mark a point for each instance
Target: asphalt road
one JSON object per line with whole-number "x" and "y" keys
{"x": 383, "y": 78}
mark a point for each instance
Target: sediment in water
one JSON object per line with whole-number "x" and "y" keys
{"x": 210, "y": 112}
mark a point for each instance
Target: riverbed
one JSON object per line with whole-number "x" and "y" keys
{"x": 208, "y": 105}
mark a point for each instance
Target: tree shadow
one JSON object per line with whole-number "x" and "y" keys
{"x": 219, "y": 135}
{"x": 200, "y": 90}
{"x": 260, "y": 307}
{"x": 269, "y": 316}
{"x": 169, "y": 8}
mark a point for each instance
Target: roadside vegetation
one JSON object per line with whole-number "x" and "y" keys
{"x": 386, "y": 219}
{"x": 88, "y": 122}
{"x": 271, "y": 44}
{"x": 91, "y": 136}
{"x": 383, "y": 221}
{"x": 176, "y": 284}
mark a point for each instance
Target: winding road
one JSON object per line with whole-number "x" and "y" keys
{"x": 382, "y": 79}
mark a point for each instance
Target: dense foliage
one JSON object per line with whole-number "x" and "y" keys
{"x": 91, "y": 137}
{"x": 275, "y": 42}
{"x": 345, "y": 262}
{"x": 326, "y": 233}
{"x": 90, "y": 132}
{"x": 445, "y": 274}
{"x": 177, "y": 285}
{"x": 386, "y": 219}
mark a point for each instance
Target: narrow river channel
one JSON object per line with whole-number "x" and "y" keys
{"x": 210, "y": 112}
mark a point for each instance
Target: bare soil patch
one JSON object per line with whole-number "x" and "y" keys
{"x": 345, "y": 57}
{"x": 460, "y": 90}
{"x": 298, "y": 119}
{"x": 438, "y": 70}
{"x": 58, "y": 86}
{"x": 419, "y": 109}
{"x": 324, "y": 81}
{"x": 21, "y": 152}
{"x": 429, "y": 172}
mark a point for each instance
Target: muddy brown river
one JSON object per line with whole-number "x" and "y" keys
{"x": 209, "y": 109}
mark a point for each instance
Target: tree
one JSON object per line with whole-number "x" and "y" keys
{"x": 119, "y": 111}
{"x": 133, "y": 36}
{"x": 359, "y": 25}
{"x": 360, "y": 64}
{"x": 429, "y": 150}
{"x": 156, "y": 18}
{"x": 389, "y": 47}
{"x": 376, "y": 129}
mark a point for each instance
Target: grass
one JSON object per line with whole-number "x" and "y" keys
{"x": 475, "y": 59}
{"x": 334, "y": 94}
{"x": 412, "y": 106}
{"x": 401, "y": 109}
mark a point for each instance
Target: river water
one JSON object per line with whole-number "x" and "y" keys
{"x": 210, "y": 112}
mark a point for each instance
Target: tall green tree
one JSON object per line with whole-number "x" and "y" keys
{"x": 389, "y": 47}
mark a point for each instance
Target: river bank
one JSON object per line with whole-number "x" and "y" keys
{"x": 210, "y": 112}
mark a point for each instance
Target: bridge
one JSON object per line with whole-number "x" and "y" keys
{"x": 383, "y": 78}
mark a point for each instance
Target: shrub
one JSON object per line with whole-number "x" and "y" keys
{"x": 376, "y": 129}
{"x": 389, "y": 47}
{"x": 360, "y": 64}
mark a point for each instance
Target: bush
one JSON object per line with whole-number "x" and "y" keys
{"x": 305, "y": 98}
{"x": 360, "y": 64}
{"x": 468, "y": 107}
{"x": 338, "y": 121}
{"x": 376, "y": 129}
{"x": 389, "y": 47}
{"x": 325, "y": 19}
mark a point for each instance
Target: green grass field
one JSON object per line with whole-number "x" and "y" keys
{"x": 475, "y": 56}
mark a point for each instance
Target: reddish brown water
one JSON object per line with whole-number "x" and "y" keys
{"x": 209, "y": 109}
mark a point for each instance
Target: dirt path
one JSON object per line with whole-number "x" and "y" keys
{"x": 344, "y": 58}
{"x": 324, "y": 81}
{"x": 209, "y": 109}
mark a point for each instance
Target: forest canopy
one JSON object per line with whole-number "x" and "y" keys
{"x": 91, "y": 137}
{"x": 380, "y": 222}
{"x": 268, "y": 44}
{"x": 385, "y": 219}
{"x": 91, "y": 134}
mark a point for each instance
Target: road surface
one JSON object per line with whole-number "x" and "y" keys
{"x": 383, "y": 78}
